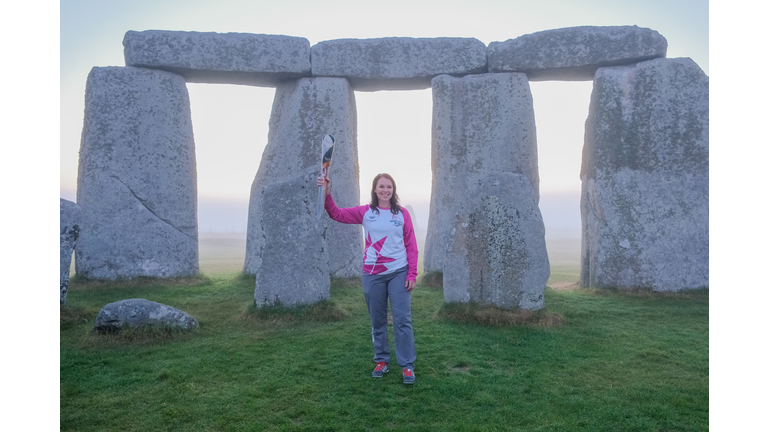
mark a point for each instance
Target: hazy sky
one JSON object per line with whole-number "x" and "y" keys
{"x": 231, "y": 122}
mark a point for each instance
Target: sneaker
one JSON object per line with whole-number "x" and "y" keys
{"x": 381, "y": 369}
{"x": 408, "y": 376}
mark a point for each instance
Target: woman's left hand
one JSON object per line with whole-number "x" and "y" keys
{"x": 410, "y": 285}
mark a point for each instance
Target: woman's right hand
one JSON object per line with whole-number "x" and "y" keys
{"x": 324, "y": 180}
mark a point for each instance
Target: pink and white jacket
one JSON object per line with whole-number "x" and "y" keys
{"x": 390, "y": 243}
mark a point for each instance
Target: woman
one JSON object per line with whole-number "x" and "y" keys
{"x": 389, "y": 269}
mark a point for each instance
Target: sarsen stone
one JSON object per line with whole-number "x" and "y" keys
{"x": 303, "y": 112}
{"x": 481, "y": 125}
{"x": 69, "y": 230}
{"x": 294, "y": 262}
{"x": 496, "y": 251}
{"x": 137, "y": 185}
{"x": 645, "y": 178}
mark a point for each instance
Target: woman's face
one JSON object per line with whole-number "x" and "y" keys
{"x": 384, "y": 190}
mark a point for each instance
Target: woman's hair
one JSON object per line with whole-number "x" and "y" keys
{"x": 394, "y": 201}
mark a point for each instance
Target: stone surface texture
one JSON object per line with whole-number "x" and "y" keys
{"x": 645, "y": 167}
{"x": 294, "y": 264}
{"x": 397, "y": 63}
{"x": 481, "y": 125}
{"x": 645, "y": 178}
{"x": 303, "y": 112}
{"x": 137, "y": 185}
{"x": 137, "y": 313}
{"x": 228, "y": 58}
{"x": 496, "y": 252}
{"x": 69, "y": 230}
{"x": 575, "y": 53}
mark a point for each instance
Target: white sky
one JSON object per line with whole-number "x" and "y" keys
{"x": 231, "y": 122}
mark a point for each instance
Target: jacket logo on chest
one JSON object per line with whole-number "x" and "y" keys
{"x": 396, "y": 222}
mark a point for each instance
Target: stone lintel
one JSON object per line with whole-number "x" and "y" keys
{"x": 223, "y": 58}
{"x": 397, "y": 63}
{"x": 575, "y": 53}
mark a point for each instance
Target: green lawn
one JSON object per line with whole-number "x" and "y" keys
{"x": 617, "y": 362}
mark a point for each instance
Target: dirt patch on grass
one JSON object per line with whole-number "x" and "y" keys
{"x": 346, "y": 282}
{"x": 432, "y": 280}
{"x": 80, "y": 283}
{"x": 702, "y": 293}
{"x": 72, "y": 315}
{"x": 564, "y": 286}
{"x": 472, "y": 313}
{"x": 322, "y": 311}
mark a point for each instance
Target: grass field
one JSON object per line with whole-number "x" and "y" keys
{"x": 611, "y": 362}
{"x": 221, "y": 254}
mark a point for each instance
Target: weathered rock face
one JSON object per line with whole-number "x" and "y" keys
{"x": 294, "y": 262}
{"x": 138, "y": 313}
{"x": 645, "y": 178}
{"x": 302, "y": 113}
{"x": 397, "y": 63}
{"x": 575, "y": 53}
{"x": 228, "y": 58}
{"x": 137, "y": 185}
{"x": 644, "y": 169}
{"x": 481, "y": 125}
{"x": 69, "y": 230}
{"x": 496, "y": 251}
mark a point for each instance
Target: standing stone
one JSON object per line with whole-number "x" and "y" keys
{"x": 294, "y": 266}
{"x": 575, "y": 53}
{"x": 69, "y": 230}
{"x": 481, "y": 124}
{"x": 137, "y": 185}
{"x": 645, "y": 178}
{"x": 303, "y": 112}
{"x": 397, "y": 63}
{"x": 227, "y": 58}
{"x": 496, "y": 253}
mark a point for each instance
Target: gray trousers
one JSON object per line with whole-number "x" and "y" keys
{"x": 377, "y": 289}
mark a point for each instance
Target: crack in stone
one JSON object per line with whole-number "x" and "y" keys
{"x": 352, "y": 261}
{"x": 149, "y": 209}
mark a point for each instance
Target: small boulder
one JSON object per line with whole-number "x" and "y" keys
{"x": 137, "y": 313}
